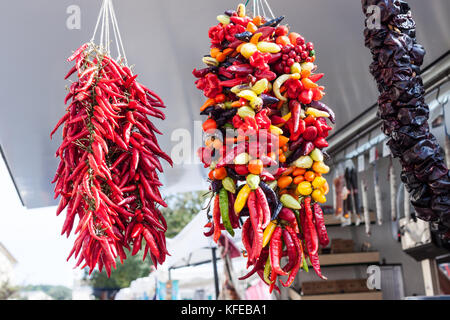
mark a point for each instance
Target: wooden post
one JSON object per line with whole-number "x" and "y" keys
{"x": 430, "y": 277}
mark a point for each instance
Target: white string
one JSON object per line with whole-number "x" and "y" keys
{"x": 254, "y": 8}
{"x": 100, "y": 14}
{"x": 111, "y": 12}
{"x": 270, "y": 9}
{"x": 118, "y": 34}
{"x": 262, "y": 7}
{"x": 108, "y": 19}
{"x": 103, "y": 23}
{"x": 107, "y": 26}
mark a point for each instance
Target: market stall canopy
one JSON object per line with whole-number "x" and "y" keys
{"x": 190, "y": 247}
{"x": 165, "y": 40}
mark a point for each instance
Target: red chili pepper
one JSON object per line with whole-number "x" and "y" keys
{"x": 275, "y": 252}
{"x": 216, "y": 218}
{"x": 320, "y": 142}
{"x": 316, "y": 77}
{"x": 291, "y": 249}
{"x": 264, "y": 204}
{"x": 311, "y": 237}
{"x": 306, "y": 96}
{"x": 299, "y": 259}
{"x": 320, "y": 225}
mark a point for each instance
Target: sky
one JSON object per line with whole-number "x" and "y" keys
{"x": 33, "y": 237}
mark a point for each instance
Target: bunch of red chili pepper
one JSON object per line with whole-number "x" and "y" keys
{"x": 108, "y": 161}
{"x": 265, "y": 132}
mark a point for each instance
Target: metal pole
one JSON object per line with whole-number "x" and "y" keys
{"x": 216, "y": 276}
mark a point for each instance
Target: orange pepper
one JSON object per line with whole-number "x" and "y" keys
{"x": 288, "y": 171}
{"x": 285, "y": 191}
{"x": 220, "y": 173}
{"x": 208, "y": 103}
{"x": 282, "y": 158}
{"x": 282, "y": 141}
{"x": 209, "y": 124}
{"x": 283, "y": 40}
{"x": 313, "y": 59}
{"x": 257, "y": 21}
{"x": 305, "y": 74}
{"x": 299, "y": 179}
{"x": 283, "y": 89}
{"x": 293, "y": 37}
{"x": 221, "y": 57}
{"x": 228, "y": 51}
{"x": 308, "y": 84}
{"x": 299, "y": 172}
{"x": 251, "y": 27}
{"x": 284, "y": 182}
{"x": 309, "y": 176}
{"x": 211, "y": 175}
{"x": 255, "y": 166}
{"x": 214, "y": 52}
{"x": 236, "y": 104}
{"x": 285, "y": 148}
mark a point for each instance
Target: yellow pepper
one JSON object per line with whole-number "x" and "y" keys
{"x": 325, "y": 188}
{"x": 248, "y": 49}
{"x": 268, "y": 232}
{"x": 241, "y": 199}
{"x": 318, "y": 182}
{"x": 304, "y": 188}
{"x": 317, "y": 113}
{"x": 275, "y": 130}
{"x": 255, "y": 38}
{"x": 268, "y": 47}
{"x": 320, "y": 167}
{"x": 260, "y": 86}
{"x": 247, "y": 94}
{"x": 318, "y": 196}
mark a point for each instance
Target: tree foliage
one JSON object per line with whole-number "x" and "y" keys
{"x": 181, "y": 209}
{"x": 8, "y": 291}
{"x": 56, "y": 292}
{"x": 179, "y": 212}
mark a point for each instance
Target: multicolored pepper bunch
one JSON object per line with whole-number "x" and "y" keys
{"x": 264, "y": 136}
{"x": 397, "y": 58}
{"x": 109, "y": 156}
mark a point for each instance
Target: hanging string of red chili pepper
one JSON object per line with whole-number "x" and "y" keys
{"x": 264, "y": 134}
{"x": 109, "y": 157}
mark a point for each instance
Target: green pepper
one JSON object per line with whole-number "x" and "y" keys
{"x": 289, "y": 202}
{"x": 253, "y": 181}
{"x": 272, "y": 184}
{"x": 229, "y": 185}
{"x": 267, "y": 269}
{"x": 305, "y": 265}
{"x": 224, "y": 212}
